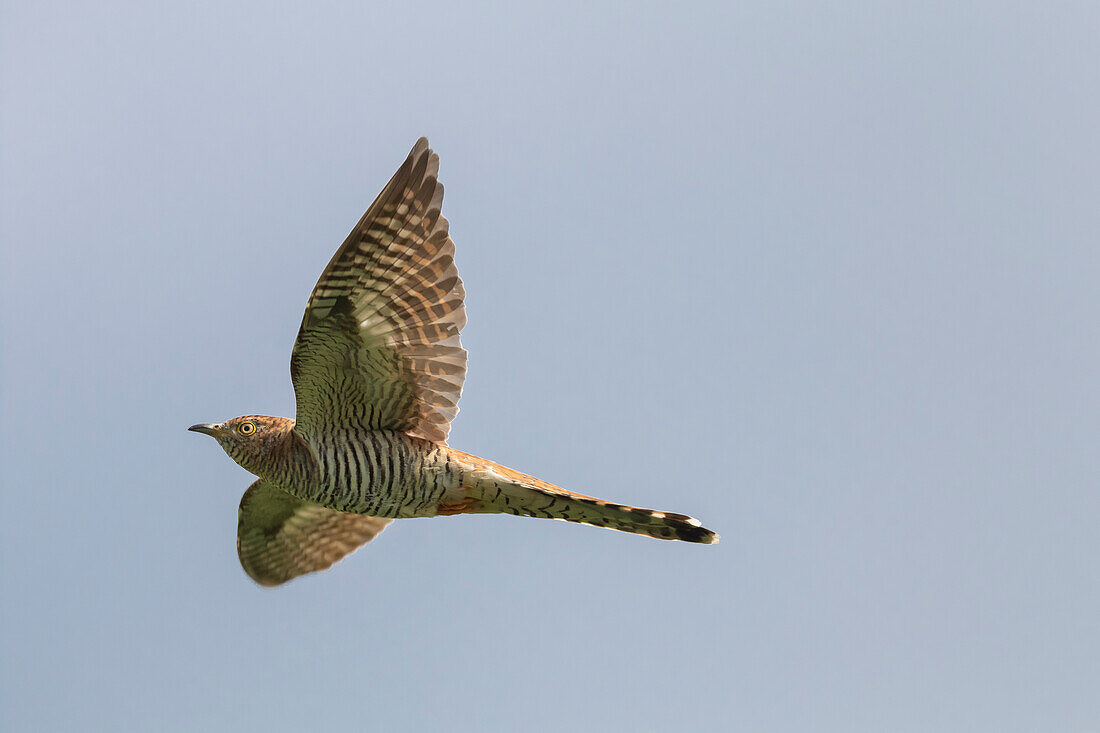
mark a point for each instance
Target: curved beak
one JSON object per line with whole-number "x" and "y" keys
{"x": 207, "y": 428}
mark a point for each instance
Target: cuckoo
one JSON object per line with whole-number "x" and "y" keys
{"x": 377, "y": 369}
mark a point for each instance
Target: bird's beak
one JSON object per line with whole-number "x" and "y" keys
{"x": 212, "y": 430}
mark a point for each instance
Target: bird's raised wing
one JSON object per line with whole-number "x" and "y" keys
{"x": 280, "y": 537}
{"x": 379, "y": 345}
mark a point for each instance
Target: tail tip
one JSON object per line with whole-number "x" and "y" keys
{"x": 694, "y": 532}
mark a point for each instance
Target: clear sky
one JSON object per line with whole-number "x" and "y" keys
{"x": 826, "y": 278}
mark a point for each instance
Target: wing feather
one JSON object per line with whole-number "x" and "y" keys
{"x": 280, "y": 537}
{"x": 379, "y": 344}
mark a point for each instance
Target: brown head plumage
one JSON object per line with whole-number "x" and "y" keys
{"x": 250, "y": 440}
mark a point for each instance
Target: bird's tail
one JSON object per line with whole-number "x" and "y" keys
{"x": 492, "y": 488}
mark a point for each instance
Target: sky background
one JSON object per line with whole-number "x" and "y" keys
{"x": 826, "y": 278}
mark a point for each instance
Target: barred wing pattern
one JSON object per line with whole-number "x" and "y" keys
{"x": 379, "y": 343}
{"x": 280, "y": 537}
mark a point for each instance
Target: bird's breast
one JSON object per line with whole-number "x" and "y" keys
{"x": 381, "y": 473}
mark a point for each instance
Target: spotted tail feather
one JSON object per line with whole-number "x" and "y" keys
{"x": 503, "y": 490}
{"x": 570, "y": 507}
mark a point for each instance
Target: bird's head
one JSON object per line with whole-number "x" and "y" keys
{"x": 250, "y": 440}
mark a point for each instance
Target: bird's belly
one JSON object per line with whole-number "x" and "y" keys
{"x": 383, "y": 474}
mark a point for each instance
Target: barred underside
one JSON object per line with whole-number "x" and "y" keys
{"x": 379, "y": 344}
{"x": 382, "y": 473}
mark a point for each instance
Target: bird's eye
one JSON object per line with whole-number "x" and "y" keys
{"x": 246, "y": 428}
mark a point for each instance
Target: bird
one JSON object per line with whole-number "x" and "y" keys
{"x": 377, "y": 369}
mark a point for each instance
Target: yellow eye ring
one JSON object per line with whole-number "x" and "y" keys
{"x": 246, "y": 428}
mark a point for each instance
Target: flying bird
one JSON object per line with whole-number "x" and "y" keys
{"x": 377, "y": 369}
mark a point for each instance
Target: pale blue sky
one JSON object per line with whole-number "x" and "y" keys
{"x": 825, "y": 278}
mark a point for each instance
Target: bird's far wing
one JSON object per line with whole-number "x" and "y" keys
{"x": 379, "y": 345}
{"x": 280, "y": 537}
